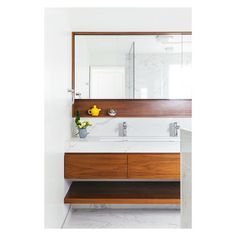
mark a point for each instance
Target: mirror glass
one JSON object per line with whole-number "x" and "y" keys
{"x": 132, "y": 66}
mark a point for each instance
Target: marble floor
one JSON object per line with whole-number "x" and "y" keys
{"x": 123, "y": 218}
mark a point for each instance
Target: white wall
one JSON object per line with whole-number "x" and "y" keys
{"x": 57, "y": 112}
{"x": 130, "y": 19}
{"x": 135, "y": 126}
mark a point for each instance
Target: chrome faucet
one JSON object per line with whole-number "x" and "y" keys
{"x": 124, "y": 129}
{"x": 174, "y": 127}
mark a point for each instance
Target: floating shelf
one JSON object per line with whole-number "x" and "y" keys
{"x": 123, "y": 193}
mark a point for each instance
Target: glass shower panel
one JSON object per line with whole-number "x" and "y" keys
{"x": 157, "y": 57}
{"x": 130, "y": 63}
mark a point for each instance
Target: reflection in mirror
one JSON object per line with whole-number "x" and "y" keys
{"x": 133, "y": 66}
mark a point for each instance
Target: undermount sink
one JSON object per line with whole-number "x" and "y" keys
{"x": 139, "y": 139}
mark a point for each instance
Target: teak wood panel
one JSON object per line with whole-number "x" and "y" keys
{"x": 123, "y": 193}
{"x": 137, "y": 107}
{"x": 95, "y": 166}
{"x": 154, "y": 166}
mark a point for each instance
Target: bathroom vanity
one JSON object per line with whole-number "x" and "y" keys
{"x": 139, "y": 75}
{"x": 123, "y": 171}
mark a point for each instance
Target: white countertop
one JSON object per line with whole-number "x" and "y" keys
{"x": 123, "y": 145}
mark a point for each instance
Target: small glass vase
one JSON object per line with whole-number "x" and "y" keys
{"x": 83, "y": 132}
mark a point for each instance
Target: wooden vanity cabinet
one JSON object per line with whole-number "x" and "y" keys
{"x": 159, "y": 172}
{"x": 164, "y": 166}
{"x": 95, "y": 166}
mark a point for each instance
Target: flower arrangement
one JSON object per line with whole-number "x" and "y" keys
{"x": 83, "y": 124}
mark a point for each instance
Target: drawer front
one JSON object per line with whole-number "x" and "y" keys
{"x": 95, "y": 166}
{"x": 164, "y": 166}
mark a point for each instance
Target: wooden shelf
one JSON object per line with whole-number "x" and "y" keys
{"x": 123, "y": 193}
{"x": 136, "y": 107}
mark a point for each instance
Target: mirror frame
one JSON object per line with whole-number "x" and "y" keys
{"x": 163, "y": 107}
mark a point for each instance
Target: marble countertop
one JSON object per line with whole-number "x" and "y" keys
{"x": 123, "y": 145}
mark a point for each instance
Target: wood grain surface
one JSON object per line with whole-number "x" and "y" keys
{"x": 154, "y": 166}
{"x": 123, "y": 193}
{"x": 136, "y": 107}
{"x": 97, "y": 166}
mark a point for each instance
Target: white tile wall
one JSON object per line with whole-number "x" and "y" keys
{"x": 136, "y": 126}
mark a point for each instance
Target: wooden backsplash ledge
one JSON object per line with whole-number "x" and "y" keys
{"x": 136, "y": 107}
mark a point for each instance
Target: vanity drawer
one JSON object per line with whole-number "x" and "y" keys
{"x": 95, "y": 166}
{"x": 164, "y": 166}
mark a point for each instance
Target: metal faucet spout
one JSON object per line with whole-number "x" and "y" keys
{"x": 124, "y": 129}
{"x": 174, "y": 127}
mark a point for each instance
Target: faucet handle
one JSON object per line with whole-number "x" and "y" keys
{"x": 176, "y": 125}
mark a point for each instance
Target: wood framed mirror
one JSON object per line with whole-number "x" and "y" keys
{"x": 131, "y": 66}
